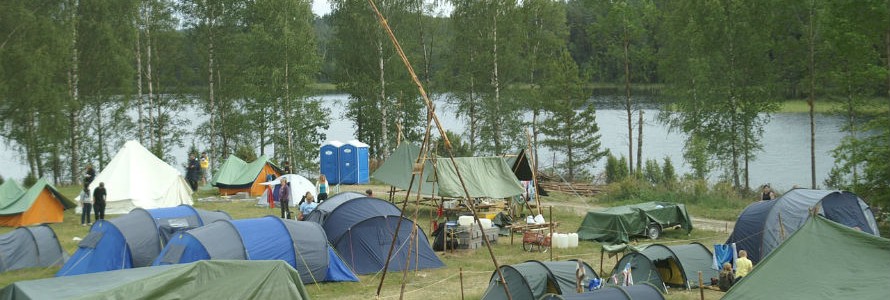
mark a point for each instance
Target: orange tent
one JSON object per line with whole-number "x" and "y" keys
{"x": 236, "y": 176}
{"x": 42, "y": 203}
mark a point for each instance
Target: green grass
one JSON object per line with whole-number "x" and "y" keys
{"x": 875, "y": 105}
{"x": 441, "y": 283}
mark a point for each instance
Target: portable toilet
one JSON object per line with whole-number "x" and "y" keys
{"x": 330, "y": 162}
{"x": 354, "y": 163}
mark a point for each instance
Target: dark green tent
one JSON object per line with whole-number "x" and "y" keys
{"x": 206, "y": 279}
{"x": 618, "y": 224}
{"x": 822, "y": 260}
{"x": 662, "y": 265}
{"x": 612, "y": 292}
{"x": 532, "y": 279}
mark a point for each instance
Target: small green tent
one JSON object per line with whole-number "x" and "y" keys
{"x": 236, "y": 175}
{"x": 618, "y": 224}
{"x": 532, "y": 279}
{"x": 662, "y": 265}
{"x": 822, "y": 260}
{"x": 206, "y": 279}
{"x": 40, "y": 204}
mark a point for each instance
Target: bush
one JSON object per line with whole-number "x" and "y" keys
{"x": 30, "y": 180}
{"x": 668, "y": 173}
{"x": 616, "y": 169}
{"x": 245, "y": 153}
{"x": 652, "y": 172}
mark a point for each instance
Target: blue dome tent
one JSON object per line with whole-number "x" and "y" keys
{"x": 303, "y": 245}
{"x": 135, "y": 239}
{"x": 361, "y": 230}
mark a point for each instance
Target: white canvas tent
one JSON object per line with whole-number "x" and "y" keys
{"x": 299, "y": 185}
{"x": 137, "y": 178}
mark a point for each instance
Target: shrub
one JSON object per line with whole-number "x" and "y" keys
{"x": 30, "y": 180}
{"x": 652, "y": 172}
{"x": 245, "y": 153}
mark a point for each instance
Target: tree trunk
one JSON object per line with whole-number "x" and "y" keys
{"x": 212, "y": 109}
{"x": 74, "y": 93}
{"x": 497, "y": 89}
{"x": 100, "y": 135}
{"x": 383, "y": 104}
{"x": 640, "y": 142}
{"x": 627, "y": 104}
{"x": 811, "y": 101}
{"x": 153, "y": 124}
{"x": 139, "y": 104}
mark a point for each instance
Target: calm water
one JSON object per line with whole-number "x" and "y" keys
{"x": 783, "y": 162}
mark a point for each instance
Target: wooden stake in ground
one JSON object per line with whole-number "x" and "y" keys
{"x": 461, "y": 283}
{"x": 701, "y": 286}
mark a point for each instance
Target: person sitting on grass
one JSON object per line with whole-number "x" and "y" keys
{"x": 308, "y": 206}
{"x": 743, "y": 265}
{"x": 727, "y": 278}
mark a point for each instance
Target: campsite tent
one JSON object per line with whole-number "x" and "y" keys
{"x": 822, "y": 260}
{"x": 763, "y": 225}
{"x": 362, "y": 229}
{"x": 488, "y": 177}
{"x": 27, "y": 247}
{"x": 137, "y": 178}
{"x": 216, "y": 279}
{"x": 662, "y": 265}
{"x": 612, "y": 292}
{"x": 618, "y": 224}
{"x": 299, "y": 185}
{"x": 41, "y": 203}
{"x": 236, "y": 175}
{"x": 532, "y": 279}
{"x": 135, "y": 239}
{"x": 302, "y": 245}
{"x": 321, "y": 212}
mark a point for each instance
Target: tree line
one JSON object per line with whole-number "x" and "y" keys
{"x": 79, "y": 77}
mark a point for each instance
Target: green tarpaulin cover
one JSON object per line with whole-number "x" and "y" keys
{"x": 484, "y": 176}
{"x": 618, "y": 224}
{"x": 207, "y": 279}
{"x": 822, "y": 260}
{"x": 236, "y": 172}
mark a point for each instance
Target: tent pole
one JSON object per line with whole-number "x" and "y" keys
{"x": 461, "y": 283}
{"x": 431, "y": 113}
{"x": 550, "y": 225}
{"x": 534, "y": 170}
{"x": 701, "y": 287}
{"x": 781, "y": 227}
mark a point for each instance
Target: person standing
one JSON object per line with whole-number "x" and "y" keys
{"x": 284, "y": 198}
{"x": 86, "y": 207}
{"x": 193, "y": 172}
{"x": 89, "y": 175}
{"x": 767, "y": 193}
{"x": 322, "y": 186}
{"x": 205, "y": 167}
{"x": 99, "y": 195}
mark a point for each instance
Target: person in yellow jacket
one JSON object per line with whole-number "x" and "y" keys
{"x": 205, "y": 167}
{"x": 743, "y": 265}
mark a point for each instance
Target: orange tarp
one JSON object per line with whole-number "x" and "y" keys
{"x": 46, "y": 209}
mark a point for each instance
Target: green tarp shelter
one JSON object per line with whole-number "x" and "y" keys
{"x": 618, "y": 224}
{"x": 822, "y": 260}
{"x": 488, "y": 177}
{"x": 676, "y": 265}
{"x": 532, "y": 279}
{"x": 206, "y": 279}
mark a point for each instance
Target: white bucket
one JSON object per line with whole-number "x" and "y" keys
{"x": 573, "y": 240}
{"x": 465, "y": 220}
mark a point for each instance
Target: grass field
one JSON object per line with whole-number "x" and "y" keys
{"x": 444, "y": 283}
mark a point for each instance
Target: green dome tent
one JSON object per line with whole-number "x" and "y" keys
{"x": 822, "y": 260}
{"x": 662, "y": 265}
{"x": 532, "y": 279}
{"x": 614, "y": 292}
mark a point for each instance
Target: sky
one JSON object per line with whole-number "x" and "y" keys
{"x": 321, "y": 7}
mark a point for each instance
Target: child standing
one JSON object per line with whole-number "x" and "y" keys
{"x": 86, "y": 207}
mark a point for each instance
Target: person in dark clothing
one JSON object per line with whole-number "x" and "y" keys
{"x": 99, "y": 195}
{"x": 193, "y": 172}
{"x": 767, "y": 193}
{"x": 284, "y": 199}
{"x": 285, "y": 167}
{"x": 89, "y": 176}
{"x": 727, "y": 277}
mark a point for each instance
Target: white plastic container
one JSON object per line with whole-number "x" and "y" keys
{"x": 565, "y": 240}
{"x": 539, "y": 219}
{"x": 530, "y": 220}
{"x": 560, "y": 240}
{"x": 573, "y": 240}
{"x": 465, "y": 220}
{"x": 486, "y": 223}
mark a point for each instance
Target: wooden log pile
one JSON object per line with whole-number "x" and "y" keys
{"x": 573, "y": 188}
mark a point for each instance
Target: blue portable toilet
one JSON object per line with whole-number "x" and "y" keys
{"x": 354, "y": 163}
{"x": 329, "y": 159}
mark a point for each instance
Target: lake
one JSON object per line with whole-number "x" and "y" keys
{"x": 784, "y": 161}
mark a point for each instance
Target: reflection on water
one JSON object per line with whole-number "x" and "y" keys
{"x": 784, "y": 161}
